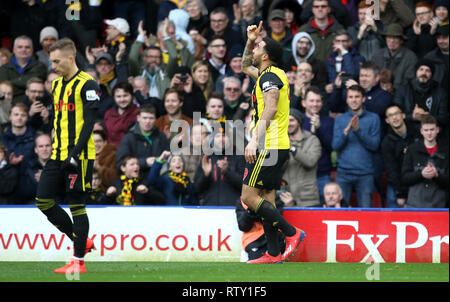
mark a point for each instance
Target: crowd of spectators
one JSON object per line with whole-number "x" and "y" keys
{"x": 368, "y": 98}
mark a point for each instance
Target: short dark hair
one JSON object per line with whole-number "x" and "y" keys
{"x": 216, "y": 37}
{"x": 218, "y": 10}
{"x": 215, "y": 95}
{"x": 372, "y": 66}
{"x": 125, "y": 86}
{"x": 429, "y": 119}
{"x": 274, "y": 50}
{"x": 357, "y": 88}
{"x": 153, "y": 47}
{"x": 341, "y": 32}
{"x": 147, "y": 108}
{"x": 315, "y": 90}
{"x": 125, "y": 158}
{"x": 101, "y": 133}
{"x": 172, "y": 90}
{"x": 393, "y": 105}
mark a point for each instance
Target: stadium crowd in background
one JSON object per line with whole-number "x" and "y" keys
{"x": 368, "y": 97}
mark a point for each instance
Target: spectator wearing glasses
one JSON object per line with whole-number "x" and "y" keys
{"x": 321, "y": 27}
{"x": 236, "y": 104}
{"x": 235, "y": 63}
{"x": 217, "y": 48}
{"x": 420, "y": 37}
{"x": 220, "y": 26}
{"x": 365, "y": 34}
{"x": 344, "y": 58}
{"x": 303, "y": 48}
{"x": 393, "y": 147}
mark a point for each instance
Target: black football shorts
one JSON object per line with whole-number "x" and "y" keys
{"x": 267, "y": 171}
{"x": 57, "y": 181}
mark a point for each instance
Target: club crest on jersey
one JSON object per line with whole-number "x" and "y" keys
{"x": 69, "y": 92}
{"x": 245, "y": 173}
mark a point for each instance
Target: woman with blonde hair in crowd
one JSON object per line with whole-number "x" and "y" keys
{"x": 202, "y": 77}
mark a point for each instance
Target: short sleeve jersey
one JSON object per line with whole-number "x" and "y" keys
{"x": 276, "y": 136}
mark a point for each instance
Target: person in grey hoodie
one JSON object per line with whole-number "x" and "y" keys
{"x": 180, "y": 18}
{"x": 303, "y": 48}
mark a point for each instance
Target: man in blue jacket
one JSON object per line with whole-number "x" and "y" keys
{"x": 356, "y": 136}
{"x": 343, "y": 58}
{"x": 19, "y": 140}
{"x": 377, "y": 99}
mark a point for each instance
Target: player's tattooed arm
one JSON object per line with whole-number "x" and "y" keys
{"x": 247, "y": 59}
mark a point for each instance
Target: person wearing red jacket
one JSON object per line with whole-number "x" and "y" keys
{"x": 122, "y": 115}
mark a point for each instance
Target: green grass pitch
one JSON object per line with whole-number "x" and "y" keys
{"x": 226, "y": 272}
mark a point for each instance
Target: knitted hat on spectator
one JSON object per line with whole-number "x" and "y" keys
{"x": 297, "y": 114}
{"x": 425, "y": 62}
{"x": 48, "y": 31}
{"x": 442, "y": 30}
{"x": 236, "y": 51}
{"x": 443, "y": 3}
{"x": 120, "y": 24}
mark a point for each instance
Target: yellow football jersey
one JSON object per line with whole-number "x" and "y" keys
{"x": 276, "y": 136}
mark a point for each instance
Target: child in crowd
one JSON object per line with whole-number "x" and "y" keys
{"x": 130, "y": 189}
{"x": 97, "y": 196}
{"x": 175, "y": 182}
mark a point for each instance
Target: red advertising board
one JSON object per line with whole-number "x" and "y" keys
{"x": 402, "y": 236}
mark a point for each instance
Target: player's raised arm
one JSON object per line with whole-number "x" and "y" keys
{"x": 247, "y": 58}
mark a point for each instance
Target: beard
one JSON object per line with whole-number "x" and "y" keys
{"x": 423, "y": 79}
{"x": 152, "y": 69}
{"x": 294, "y": 130}
{"x": 256, "y": 61}
{"x": 301, "y": 54}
